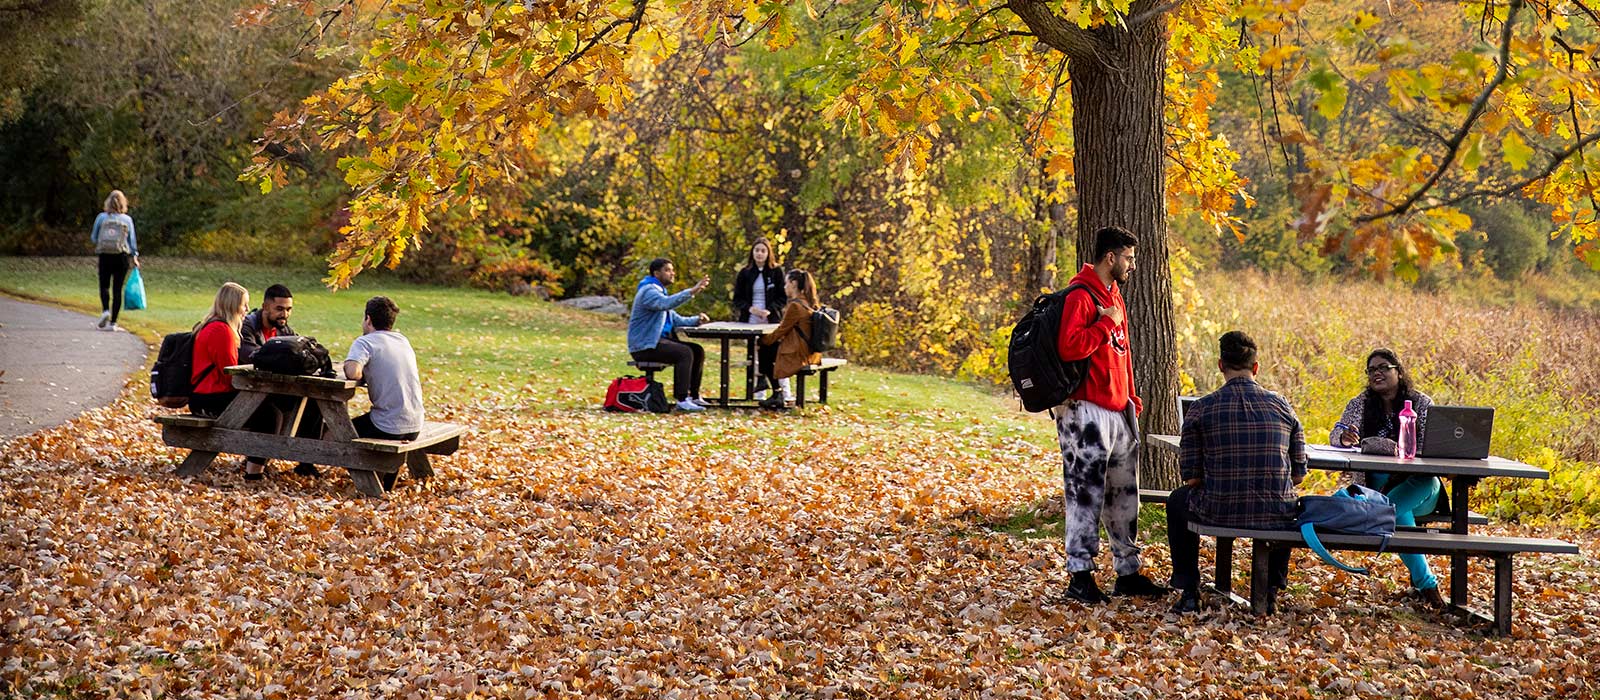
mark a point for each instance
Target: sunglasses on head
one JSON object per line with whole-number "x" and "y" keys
{"x": 1380, "y": 369}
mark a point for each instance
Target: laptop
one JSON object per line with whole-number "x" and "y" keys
{"x": 1457, "y": 432}
{"x": 1184, "y": 402}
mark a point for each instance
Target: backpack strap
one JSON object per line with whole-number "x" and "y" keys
{"x": 1308, "y": 531}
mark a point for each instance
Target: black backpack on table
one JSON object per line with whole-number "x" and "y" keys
{"x": 293, "y": 355}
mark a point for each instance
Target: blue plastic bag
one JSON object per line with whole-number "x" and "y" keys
{"x": 133, "y": 291}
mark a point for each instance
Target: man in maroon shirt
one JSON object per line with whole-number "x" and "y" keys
{"x": 1097, "y": 427}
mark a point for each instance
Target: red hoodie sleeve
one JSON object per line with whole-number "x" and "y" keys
{"x": 1083, "y": 330}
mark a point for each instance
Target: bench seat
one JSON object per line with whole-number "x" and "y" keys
{"x": 1473, "y": 517}
{"x": 432, "y": 439}
{"x": 821, "y": 369}
{"x": 1500, "y": 549}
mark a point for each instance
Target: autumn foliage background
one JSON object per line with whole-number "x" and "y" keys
{"x": 899, "y": 544}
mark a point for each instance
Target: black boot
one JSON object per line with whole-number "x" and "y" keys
{"x": 307, "y": 469}
{"x": 1188, "y": 602}
{"x": 1084, "y": 590}
{"x": 1139, "y": 585}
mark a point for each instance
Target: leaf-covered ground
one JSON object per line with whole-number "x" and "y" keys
{"x": 573, "y": 553}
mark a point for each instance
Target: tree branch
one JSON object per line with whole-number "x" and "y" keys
{"x": 1057, "y": 33}
{"x": 1555, "y": 162}
{"x": 1479, "y": 105}
{"x": 992, "y": 39}
{"x": 1151, "y": 14}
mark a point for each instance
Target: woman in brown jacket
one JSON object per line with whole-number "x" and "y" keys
{"x": 785, "y": 350}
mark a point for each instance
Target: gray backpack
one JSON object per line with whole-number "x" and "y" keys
{"x": 114, "y": 235}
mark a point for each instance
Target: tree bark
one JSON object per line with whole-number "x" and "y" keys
{"x": 1117, "y": 127}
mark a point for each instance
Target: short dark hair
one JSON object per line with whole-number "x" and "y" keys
{"x": 657, "y": 264}
{"x": 1112, "y": 238}
{"x": 382, "y": 312}
{"x": 1238, "y": 350}
{"x": 276, "y": 291}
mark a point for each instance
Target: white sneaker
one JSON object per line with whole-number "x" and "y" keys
{"x": 105, "y": 317}
{"x": 760, "y": 395}
{"x": 703, "y": 403}
{"x": 109, "y": 327}
{"x": 690, "y": 405}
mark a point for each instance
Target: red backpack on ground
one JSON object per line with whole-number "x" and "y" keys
{"x": 636, "y": 395}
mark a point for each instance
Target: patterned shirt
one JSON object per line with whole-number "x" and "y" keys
{"x": 1247, "y": 447}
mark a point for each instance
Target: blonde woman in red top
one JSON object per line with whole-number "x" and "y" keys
{"x": 216, "y": 347}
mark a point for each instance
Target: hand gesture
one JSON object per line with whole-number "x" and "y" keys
{"x": 702, "y": 284}
{"x": 762, "y": 314}
{"x": 704, "y": 318}
{"x": 1114, "y": 313}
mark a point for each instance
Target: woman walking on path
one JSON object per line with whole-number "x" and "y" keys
{"x": 118, "y": 249}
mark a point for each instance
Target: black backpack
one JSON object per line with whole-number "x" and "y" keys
{"x": 1037, "y": 372}
{"x": 824, "y": 330}
{"x": 169, "y": 378}
{"x": 294, "y": 355}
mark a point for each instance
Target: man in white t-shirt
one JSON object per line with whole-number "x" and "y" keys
{"x": 384, "y": 361}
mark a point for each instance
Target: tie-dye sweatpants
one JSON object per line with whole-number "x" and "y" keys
{"x": 1100, "y": 474}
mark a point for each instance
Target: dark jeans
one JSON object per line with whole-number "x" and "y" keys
{"x": 265, "y": 420}
{"x": 1185, "y": 547}
{"x": 113, "y": 273}
{"x": 687, "y": 359}
{"x": 367, "y": 429}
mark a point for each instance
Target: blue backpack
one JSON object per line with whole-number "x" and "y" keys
{"x": 1354, "y": 510}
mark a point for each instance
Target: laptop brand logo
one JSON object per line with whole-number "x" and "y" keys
{"x": 1460, "y": 432}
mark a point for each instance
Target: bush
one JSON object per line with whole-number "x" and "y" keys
{"x": 1511, "y": 239}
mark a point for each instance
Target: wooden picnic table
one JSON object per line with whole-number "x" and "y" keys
{"x": 1462, "y": 473}
{"x": 339, "y": 445}
{"x": 726, "y": 332}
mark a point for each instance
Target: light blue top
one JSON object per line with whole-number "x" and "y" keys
{"x": 389, "y": 367}
{"x": 653, "y": 317}
{"x": 133, "y": 240}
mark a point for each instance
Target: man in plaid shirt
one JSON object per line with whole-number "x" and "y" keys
{"x": 1243, "y": 454}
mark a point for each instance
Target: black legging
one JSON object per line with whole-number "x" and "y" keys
{"x": 687, "y": 360}
{"x": 113, "y": 273}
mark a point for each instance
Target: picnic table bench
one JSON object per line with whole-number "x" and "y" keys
{"x": 726, "y": 333}
{"x": 1263, "y": 596}
{"x": 363, "y": 458}
{"x": 1458, "y": 543}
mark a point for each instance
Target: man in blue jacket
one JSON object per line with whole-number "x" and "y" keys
{"x": 650, "y": 332}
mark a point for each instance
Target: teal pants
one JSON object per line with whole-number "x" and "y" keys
{"x": 1416, "y": 495}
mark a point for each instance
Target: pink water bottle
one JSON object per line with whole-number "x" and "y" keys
{"x": 1406, "y": 446}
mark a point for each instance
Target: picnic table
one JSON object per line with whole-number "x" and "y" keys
{"x": 1463, "y": 475}
{"x": 339, "y": 445}
{"x": 726, "y": 332}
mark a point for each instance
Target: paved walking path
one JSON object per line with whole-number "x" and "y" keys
{"x": 57, "y": 364}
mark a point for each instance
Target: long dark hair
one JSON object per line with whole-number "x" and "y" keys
{"x": 808, "y": 287}
{"x": 750, "y": 257}
{"x": 1380, "y": 418}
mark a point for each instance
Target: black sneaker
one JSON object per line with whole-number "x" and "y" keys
{"x": 307, "y": 469}
{"x": 1139, "y": 585}
{"x": 1084, "y": 590}
{"x": 1189, "y": 602}
{"x": 774, "y": 402}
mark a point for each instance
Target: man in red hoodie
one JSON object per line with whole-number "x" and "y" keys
{"x": 1097, "y": 427}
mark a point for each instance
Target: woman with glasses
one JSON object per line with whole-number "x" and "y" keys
{"x": 1371, "y": 421}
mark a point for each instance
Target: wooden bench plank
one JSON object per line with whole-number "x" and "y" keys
{"x": 828, "y": 364}
{"x": 1405, "y": 541}
{"x": 431, "y": 435}
{"x": 821, "y": 369}
{"x": 292, "y": 449}
{"x": 187, "y": 420}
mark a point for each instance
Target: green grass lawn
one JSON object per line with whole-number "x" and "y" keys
{"x": 496, "y": 351}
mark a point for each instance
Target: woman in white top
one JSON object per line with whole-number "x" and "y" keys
{"x": 758, "y": 297}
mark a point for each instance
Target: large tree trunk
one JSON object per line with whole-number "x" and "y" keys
{"x": 1117, "y": 100}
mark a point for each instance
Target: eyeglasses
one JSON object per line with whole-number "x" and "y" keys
{"x": 1380, "y": 369}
